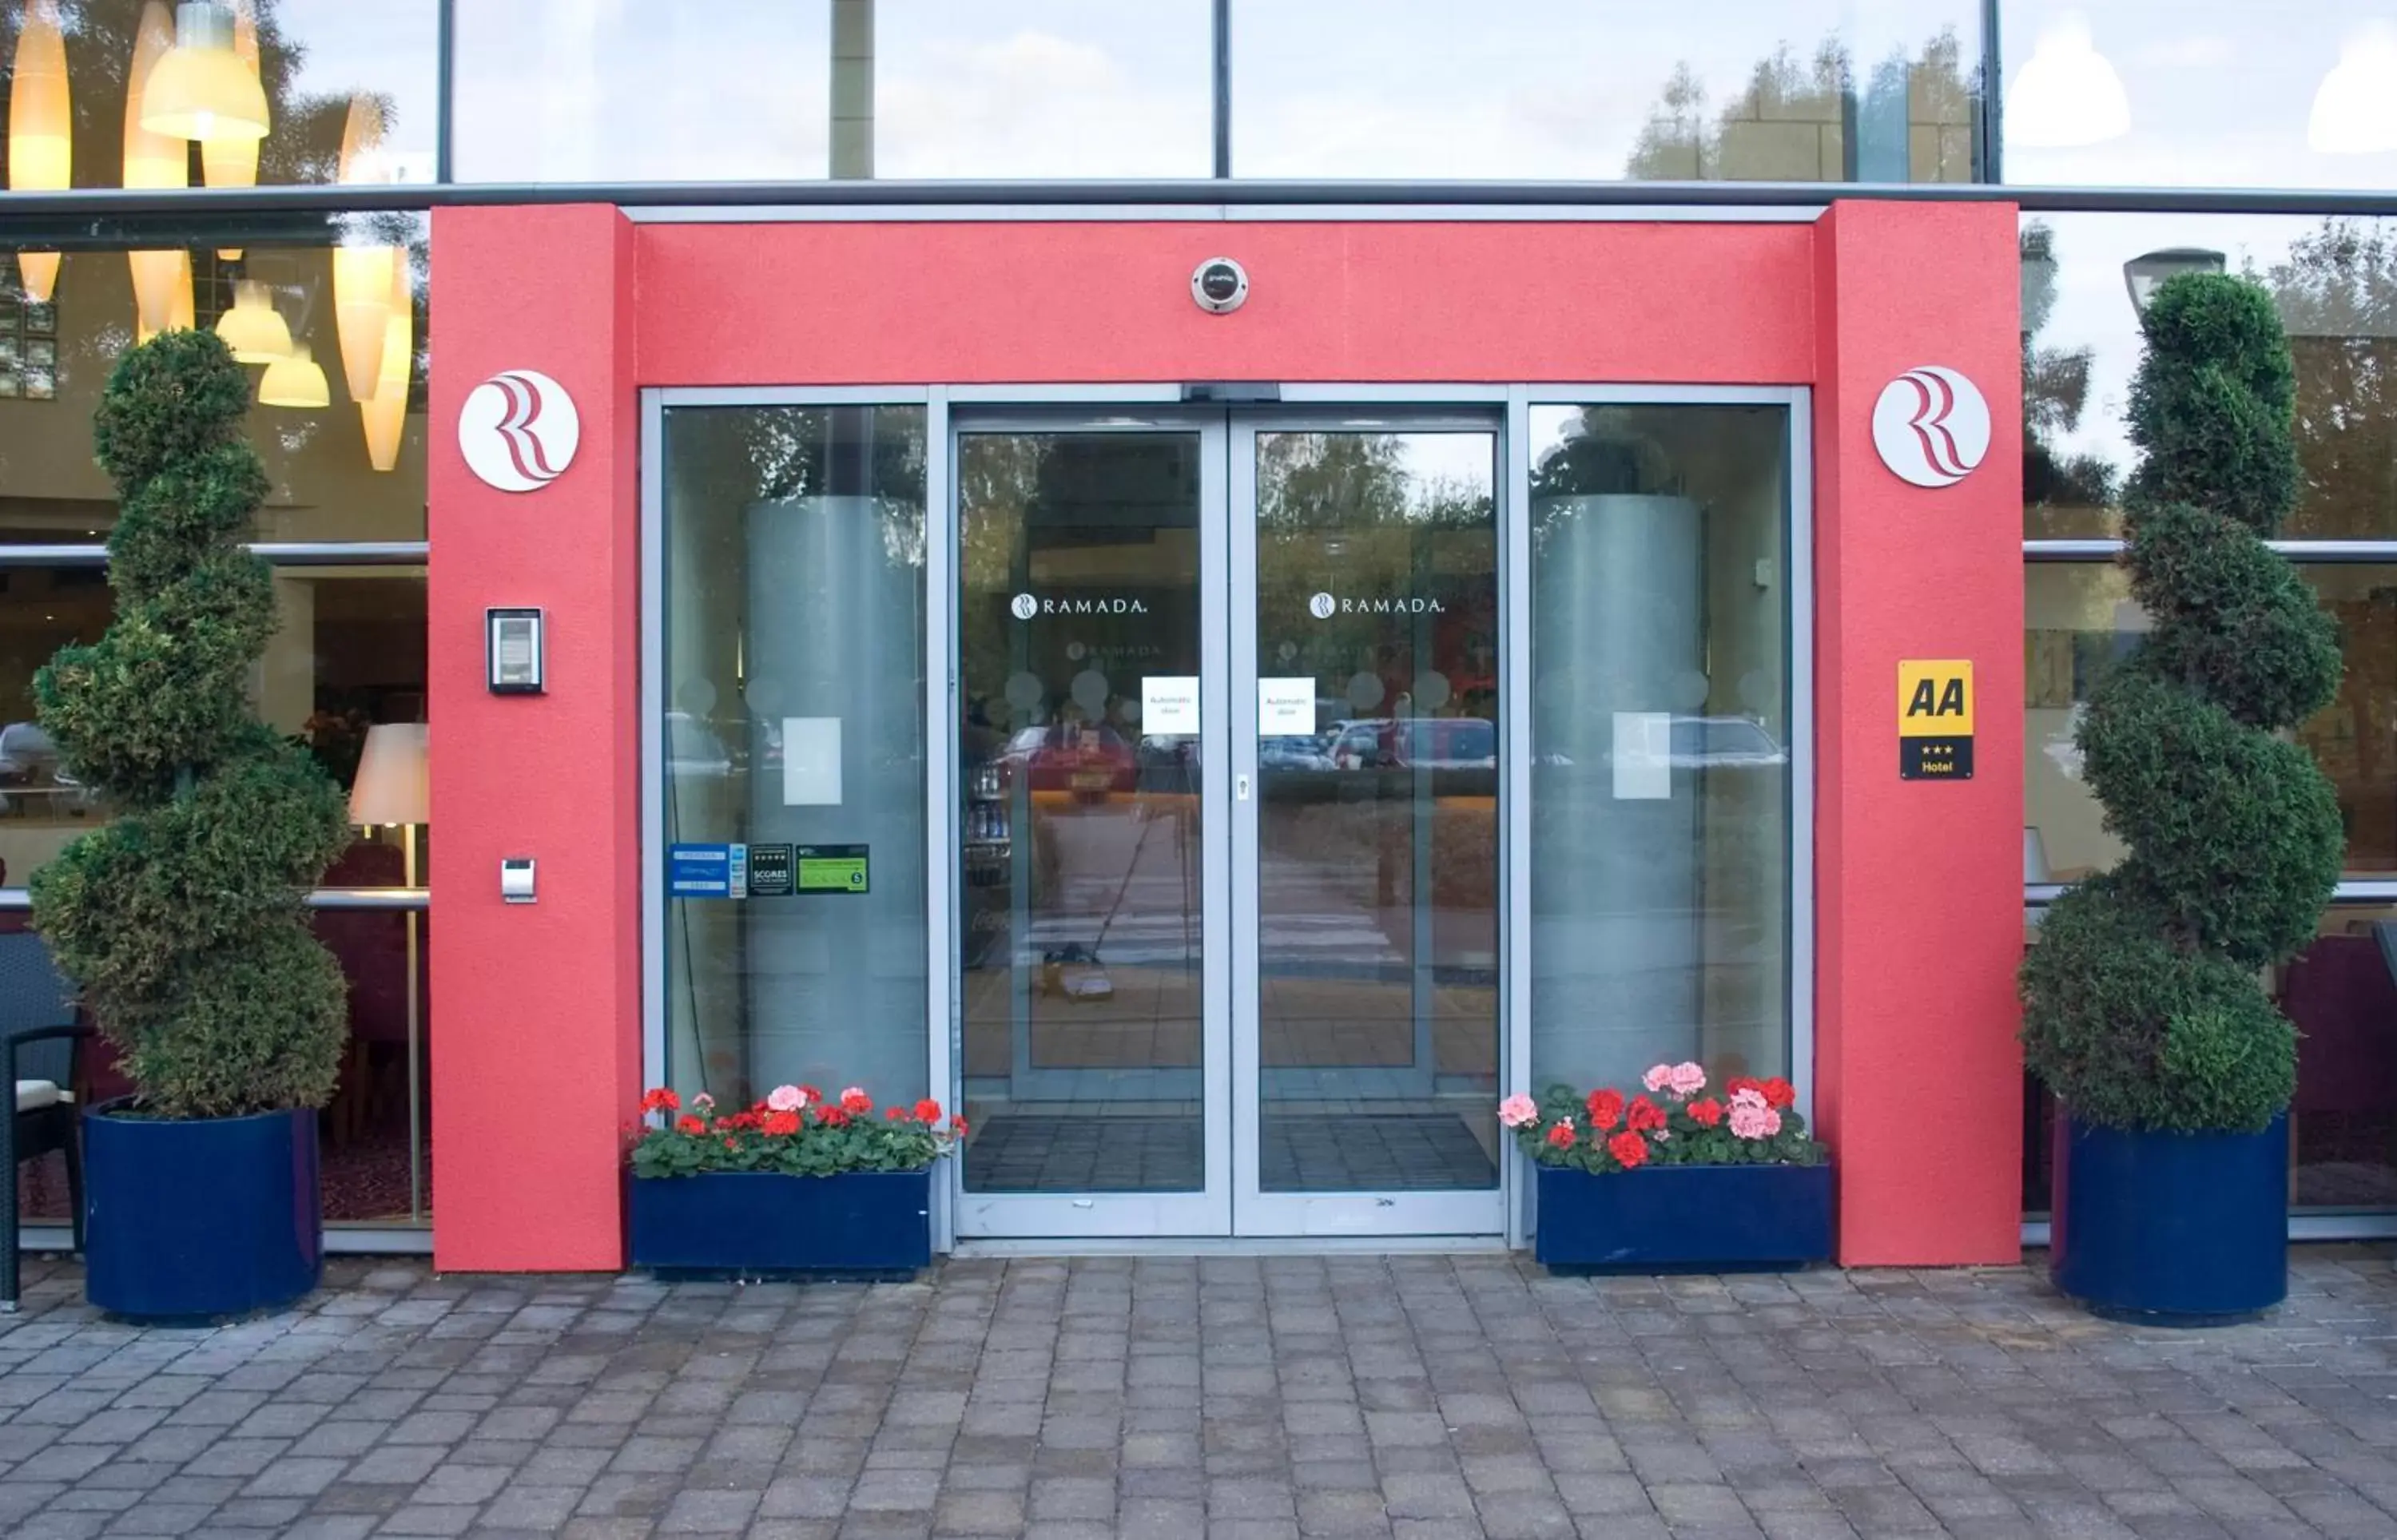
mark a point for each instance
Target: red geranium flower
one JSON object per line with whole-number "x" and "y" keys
{"x": 1707, "y": 1112}
{"x": 927, "y": 1112}
{"x": 1561, "y": 1136}
{"x": 957, "y": 1127}
{"x": 856, "y": 1102}
{"x": 1628, "y": 1149}
{"x": 894, "y": 1114}
{"x": 833, "y": 1116}
{"x": 688, "y": 1125}
{"x": 1778, "y": 1092}
{"x": 1738, "y": 1083}
{"x": 782, "y": 1123}
{"x": 661, "y": 1101}
{"x": 1644, "y": 1115}
{"x": 1606, "y": 1109}
{"x": 810, "y": 1094}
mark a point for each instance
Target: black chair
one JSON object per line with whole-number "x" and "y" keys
{"x": 41, "y": 1039}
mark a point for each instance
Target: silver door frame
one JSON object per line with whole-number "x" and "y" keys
{"x": 1079, "y": 1216}
{"x": 1255, "y": 1213}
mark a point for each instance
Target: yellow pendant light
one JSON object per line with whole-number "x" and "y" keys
{"x": 180, "y": 313}
{"x": 152, "y": 161}
{"x": 362, "y": 274}
{"x": 294, "y": 381}
{"x": 231, "y": 160}
{"x": 41, "y": 130}
{"x": 202, "y": 90}
{"x": 254, "y": 329}
{"x": 362, "y": 281}
{"x": 385, "y": 414}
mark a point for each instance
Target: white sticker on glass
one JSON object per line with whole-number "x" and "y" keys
{"x": 1644, "y": 755}
{"x": 811, "y": 762}
{"x": 1286, "y": 707}
{"x": 1169, "y": 705}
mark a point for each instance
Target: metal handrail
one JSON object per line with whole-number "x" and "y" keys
{"x": 105, "y": 203}
{"x": 388, "y": 901}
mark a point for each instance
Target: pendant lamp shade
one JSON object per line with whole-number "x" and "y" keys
{"x": 362, "y": 283}
{"x": 203, "y": 89}
{"x": 41, "y": 129}
{"x": 2066, "y": 95}
{"x": 295, "y": 381}
{"x": 392, "y": 785}
{"x": 385, "y": 414}
{"x": 152, "y": 161}
{"x": 2355, "y": 109}
{"x": 231, "y": 160}
{"x": 178, "y": 313}
{"x": 362, "y": 157}
{"x": 254, "y": 329}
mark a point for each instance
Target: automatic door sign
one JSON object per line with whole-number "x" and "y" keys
{"x": 1934, "y": 719}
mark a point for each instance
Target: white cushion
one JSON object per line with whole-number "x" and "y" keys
{"x": 32, "y": 1095}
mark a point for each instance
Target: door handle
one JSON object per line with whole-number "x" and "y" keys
{"x": 1240, "y": 788}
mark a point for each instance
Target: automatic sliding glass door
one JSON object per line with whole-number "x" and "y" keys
{"x": 1093, "y": 866}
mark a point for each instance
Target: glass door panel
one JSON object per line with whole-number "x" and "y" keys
{"x": 1365, "y": 717}
{"x": 1092, "y": 1028}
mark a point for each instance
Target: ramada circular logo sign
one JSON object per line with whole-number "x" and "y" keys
{"x": 1024, "y": 606}
{"x": 518, "y": 431}
{"x": 1321, "y": 607}
{"x": 1932, "y": 425}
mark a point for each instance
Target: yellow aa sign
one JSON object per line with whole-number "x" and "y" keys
{"x": 1935, "y": 697}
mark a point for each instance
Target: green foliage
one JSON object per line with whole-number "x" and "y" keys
{"x": 182, "y": 920}
{"x": 2142, "y": 1002}
{"x": 821, "y": 1139}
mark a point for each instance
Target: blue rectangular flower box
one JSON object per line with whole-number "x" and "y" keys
{"x": 753, "y": 1224}
{"x": 1685, "y": 1218}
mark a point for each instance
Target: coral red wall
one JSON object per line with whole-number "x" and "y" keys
{"x": 1918, "y": 891}
{"x": 539, "y": 1061}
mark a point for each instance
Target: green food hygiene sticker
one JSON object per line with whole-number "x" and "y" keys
{"x": 832, "y": 868}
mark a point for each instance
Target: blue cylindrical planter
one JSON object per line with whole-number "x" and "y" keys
{"x": 195, "y": 1219}
{"x": 2179, "y": 1228}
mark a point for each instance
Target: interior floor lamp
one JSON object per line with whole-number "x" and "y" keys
{"x": 391, "y": 788}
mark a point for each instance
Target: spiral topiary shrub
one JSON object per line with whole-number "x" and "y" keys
{"x": 182, "y": 919}
{"x": 2143, "y": 1006}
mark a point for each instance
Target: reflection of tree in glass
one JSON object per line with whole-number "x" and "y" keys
{"x": 2337, "y": 294}
{"x": 2058, "y": 491}
{"x": 838, "y": 451}
{"x": 1805, "y": 119}
{"x": 1602, "y": 455}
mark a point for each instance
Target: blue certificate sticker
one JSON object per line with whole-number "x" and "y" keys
{"x": 708, "y": 870}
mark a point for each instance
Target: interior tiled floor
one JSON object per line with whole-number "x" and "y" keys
{"x": 1312, "y": 1151}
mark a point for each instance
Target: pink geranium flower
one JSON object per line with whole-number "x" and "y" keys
{"x": 1750, "y": 1119}
{"x": 786, "y": 1098}
{"x": 1518, "y": 1110}
{"x": 1687, "y": 1080}
{"x": 1658, "y": 1077}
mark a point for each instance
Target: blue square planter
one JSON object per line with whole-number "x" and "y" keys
{"x": 752, "y": 1223}
{"x": 1685, "y": 1218}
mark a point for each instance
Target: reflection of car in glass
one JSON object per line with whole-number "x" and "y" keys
{"x": 1707, "y": 743}
{"x": 1432, "y": 743}
{"x": 1085, "y": 760}
{"x": 1294, "y": 752}
{"x": 692, "y": 748}
{"x": 30, "y": 775}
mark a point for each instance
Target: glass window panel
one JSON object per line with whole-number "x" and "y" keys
{"x": 2079, "y": 620}
{"x": 1660, "y": 738}
{"x": 592, "y": 90}
{"x": 1817, "y": 91}
{"x": 794, "y": 616}
{"x": 2342, "y": 993}
{"x": 2212, "y": 93}
{"x": 1377, "y": 836}
{"x": 352, "y": 469}
{"x": 349, "y": 654}
{"x": 334, "y": 72}
{"x": 2335, "y": 283}
{"x": 1081, "y": 971}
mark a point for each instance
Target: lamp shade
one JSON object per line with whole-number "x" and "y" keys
{"x": 2066, "y": 95}
{"x": 295, "y": 381}
{"x": 231, "y": 160}
{"x": 152, "y": 161}
{"x": 41, "y": 129}
{"x": 2355, "y": 109}
{"x": 203, "y": 89}
{"x": 385, "y": 413}
{"x": 254, "y": 330}
{"x": 2144, "y": 276}
{"x": 362, "y": 278}
{"x": 392, "y": 785}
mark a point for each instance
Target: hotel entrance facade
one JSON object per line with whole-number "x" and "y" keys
{"x": 1239, "y": 579}
{"x": 1225, "y": 750}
